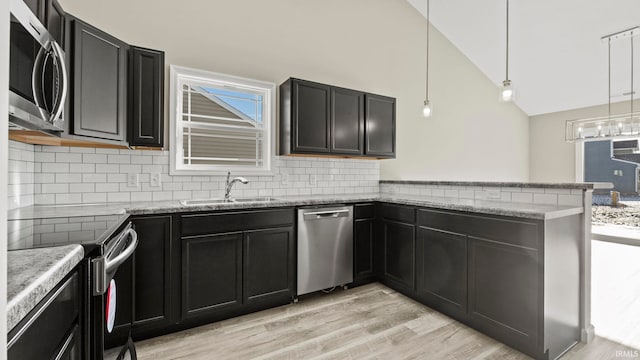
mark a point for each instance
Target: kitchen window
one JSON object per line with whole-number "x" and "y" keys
{"x": 220, "y": 123}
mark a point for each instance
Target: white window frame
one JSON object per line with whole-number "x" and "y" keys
{"x": 180, "y": 75}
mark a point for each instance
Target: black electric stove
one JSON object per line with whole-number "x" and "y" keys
{"x": 109, "y": 242}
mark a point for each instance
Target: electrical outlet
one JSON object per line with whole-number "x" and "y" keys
{"x": 132, "y": 180}
{"x": 155, "y": 180}
{"x": 493, "y": 194}
{"x": 284, "y": 179}
{"x": 313, "y": 179}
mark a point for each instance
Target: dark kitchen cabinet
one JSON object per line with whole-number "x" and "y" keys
{"x": 320, "y": 119}
{"x": 442, "y": 271}
{"x": 98, "y": 96}
{"x": 363, "y": 242}
{"x": 236, "y": 262}
{"x": 504, "y": 290}
{"x": 347, "y": 121}
{"x": 269, "y": 265}
{"x": 156, "y": 298}
{"x": 380, "y": 137}
{"x": 308, "y": 108}
{"x": 211, "y": 274}
{"x": 55, "y": 20}
{"x": 50, "y": 330}
{"x": 146, "y": 97}
{"x": 398, "y": 246}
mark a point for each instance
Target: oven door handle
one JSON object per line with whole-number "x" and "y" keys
{"x": 104, "y": 268}
{"x": 112, "y": 264}
{"x": 63, "y": 78}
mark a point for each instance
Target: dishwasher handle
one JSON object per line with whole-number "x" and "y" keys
{"x": 328, "y": 214}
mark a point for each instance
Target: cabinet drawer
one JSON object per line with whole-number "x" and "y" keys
{"x": 506, "y": 230}
{"x": 211, "y": 223}
{"x": 42, "y": 332}
{"x": 405, "y": 214}
{"x": 365, "y": 211}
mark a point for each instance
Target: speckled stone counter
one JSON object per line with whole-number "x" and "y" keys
{"x": 523, "y": 210}
{"x": 32, "y": 273}
{"x": 582, "y": 186}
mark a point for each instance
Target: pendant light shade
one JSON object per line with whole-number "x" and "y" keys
{"x": 506, "y": 91}
{"x": 427, "y": 110}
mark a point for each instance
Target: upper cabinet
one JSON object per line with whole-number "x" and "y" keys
{"x": 146, "y": 94}
{"x": 117, "y": 90}
{"x": 380, "y": 138}
{"x": 51, "y": 15}
{"x": 319, "y": 119}
{"x": 99, "y": 92}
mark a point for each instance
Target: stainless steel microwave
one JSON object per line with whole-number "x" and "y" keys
{"x": 38, "y": 79}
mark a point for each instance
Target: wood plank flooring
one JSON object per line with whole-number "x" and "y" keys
{"x": 367, "y": 322}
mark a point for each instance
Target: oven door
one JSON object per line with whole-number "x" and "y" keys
{"x": 112, "y": 280}
{"x": 38, "y": 78}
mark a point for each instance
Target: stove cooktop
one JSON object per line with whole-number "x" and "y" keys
{"x": 58, "y": 231}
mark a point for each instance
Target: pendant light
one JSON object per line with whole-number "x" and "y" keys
{"x": 506, "y": 92}
{"x": 427, "y": 110}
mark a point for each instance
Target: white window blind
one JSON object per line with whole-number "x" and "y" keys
{"x": 220, "y": 123}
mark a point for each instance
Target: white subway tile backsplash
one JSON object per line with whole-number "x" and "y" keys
{"x": 545, "y": 199}
{"x": 522, "y": 197}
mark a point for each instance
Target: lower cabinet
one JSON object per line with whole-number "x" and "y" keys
{"x": 442, "y": 271}
{"x": 363, "y": 243}
{"x": 398, "y": 246}
{"x": 51, "y": 329}
{"x": 211, "y": 274}
{"x": 504, "y": 291}
{"x": 156, "y": 291}
{"x": 269, "y": 264}
{"x": 248, "y": 266}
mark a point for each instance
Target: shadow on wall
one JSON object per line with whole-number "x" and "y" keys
{"x": 600, "y": 165}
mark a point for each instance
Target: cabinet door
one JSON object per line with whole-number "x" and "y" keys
{"x": 442, "y": 271}
{"x": 311, "y": 125}
{"x": 211, "y": 274}
{"x": 146, "y": 95}
{"x": 347, "y": 121}
{"x": 399, "y": 255}
{"x": 154, "y": 307}
{"x": 37, "y": 7}
{"x": 269, "y": 265}
{"x": 100, "y": 83}
{"x": 380, "y": 125}
{"x": 363, "y": 249}
{"x": 504, "y": 290}
{"x": 55, "y": 22}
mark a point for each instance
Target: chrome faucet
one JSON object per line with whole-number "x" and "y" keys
{"x": 229, "y": 185}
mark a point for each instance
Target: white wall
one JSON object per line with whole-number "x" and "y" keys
{"x": 551, "y": 157}
{"x": 372, "y": 45}
{"x": 4, "y": 149}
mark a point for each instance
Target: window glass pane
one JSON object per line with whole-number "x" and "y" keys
{"x": 223, "y": 122}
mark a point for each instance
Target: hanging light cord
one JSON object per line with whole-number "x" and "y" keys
{"x": 507, "y": 55}
{"x": 609, "y": 88}
{"x": 428, "y": 26}
{"x": 632, "y": 91}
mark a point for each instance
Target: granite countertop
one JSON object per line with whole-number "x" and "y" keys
{"x": 523, "y": 210}
{"x": 33, "y": 273}
{"x": 541, "y": 185}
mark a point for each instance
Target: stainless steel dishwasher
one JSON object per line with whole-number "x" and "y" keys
{"x": 325, "y": 248}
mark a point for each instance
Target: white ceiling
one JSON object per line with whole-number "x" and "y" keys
{"x": 557, "y": 60}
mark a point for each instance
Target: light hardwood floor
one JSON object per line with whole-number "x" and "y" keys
{"x": 367, "y": 322}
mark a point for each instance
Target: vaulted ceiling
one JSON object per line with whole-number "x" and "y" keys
{"x": 557, "y": 59}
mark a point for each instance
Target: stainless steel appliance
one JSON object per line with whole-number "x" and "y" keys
{"x": 38, "y": 77}
{"x": 106, "y": 276}
{"x": 325, "y": 248}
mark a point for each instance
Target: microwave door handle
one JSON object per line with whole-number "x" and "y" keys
{"x": 59, "y": 54}
{"x": 36, "y": 80}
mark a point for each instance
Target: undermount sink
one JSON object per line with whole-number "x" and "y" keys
{"x": 223, "y": 201}
{"x": 254, "y": 199}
